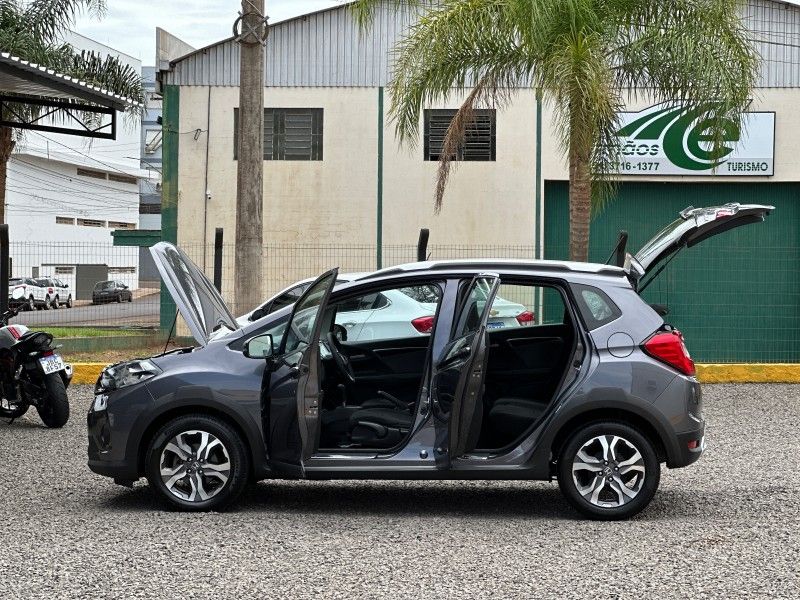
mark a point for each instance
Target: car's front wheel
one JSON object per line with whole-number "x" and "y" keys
{"x": 197, "y": 463}
{"x": 56, "y": 303}
{"x": 47, "y": 302}
{"x": 608, "y": 470}
{"x": 31, "y": 305}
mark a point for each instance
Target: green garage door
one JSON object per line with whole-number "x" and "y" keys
{"x": 736, "y": 296}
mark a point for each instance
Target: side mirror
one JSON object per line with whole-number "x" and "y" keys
{"x": 259, "y": 347}
{"x": 17, "y": 293}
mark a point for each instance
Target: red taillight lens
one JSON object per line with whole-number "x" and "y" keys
{"x": 48, "y": 353}
{"x": 668, "y": 347}
{"x": 526, "y": 318}
{"x": 423, "y": 324}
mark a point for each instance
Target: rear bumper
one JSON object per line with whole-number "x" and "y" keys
{"x": 691, "y": 445}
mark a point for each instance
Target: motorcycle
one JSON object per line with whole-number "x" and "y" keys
{"x": 31, "y": 372}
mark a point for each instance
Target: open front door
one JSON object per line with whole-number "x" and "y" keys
{"x": 457, "y": 377}
{"x": 294, "y": 393}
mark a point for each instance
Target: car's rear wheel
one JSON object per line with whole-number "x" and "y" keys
{"x": 31, "y": 304}
{"x": 69, "y": 301}
{"x": 119, "y": 298}
{"x": 608, "y": 471}
{"x": 197, "y": 463}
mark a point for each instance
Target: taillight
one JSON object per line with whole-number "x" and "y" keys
{"x": 668, "y": 347}
{"x": 526, "y": 318}
{"x": 423, "y": 324}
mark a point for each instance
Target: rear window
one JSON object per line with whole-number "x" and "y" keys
{"x": 104, "y": 285}
{"x": 596, "y": 308}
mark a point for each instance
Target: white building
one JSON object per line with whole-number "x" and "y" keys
{"x": 66, "y": 194}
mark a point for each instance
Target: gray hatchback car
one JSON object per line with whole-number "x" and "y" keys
{"x": 588, "y": 386}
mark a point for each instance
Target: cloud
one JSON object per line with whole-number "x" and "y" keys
{"x": 130, "y": 25}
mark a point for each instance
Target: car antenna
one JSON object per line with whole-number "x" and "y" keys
{"x": 171, "y": 331}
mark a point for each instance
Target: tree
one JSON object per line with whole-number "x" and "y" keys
{"x": 584, "y": 57}
{"x": 33, "y": 30}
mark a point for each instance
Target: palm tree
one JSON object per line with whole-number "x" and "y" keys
{"x": 584, "y": 57}
{"x": 33, "y": 30}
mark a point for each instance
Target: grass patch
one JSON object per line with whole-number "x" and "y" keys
{"x": 93, "y": 332}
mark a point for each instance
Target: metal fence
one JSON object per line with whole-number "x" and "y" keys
{"x": 731, "y": 311}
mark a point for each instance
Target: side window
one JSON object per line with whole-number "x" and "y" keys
{"x": 525, "y": 305}
{"x": 389, "y": 314}
{"x": 287, "y": 298}
{"x": 596, "y": 308}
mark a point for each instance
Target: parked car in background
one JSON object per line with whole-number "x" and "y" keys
{"x": 57, "y": 293}
{"x": 33, "y": 295}
{"x": 393, "y": 313}
{"x": 111, "y": 291}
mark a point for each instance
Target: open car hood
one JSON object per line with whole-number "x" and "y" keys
{"x": 198, "y": 300}
{"x": 692, "y": 227}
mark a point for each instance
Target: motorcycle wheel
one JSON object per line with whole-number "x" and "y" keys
{"x": 13, "y": 411}
{"x": 54, "y": 410}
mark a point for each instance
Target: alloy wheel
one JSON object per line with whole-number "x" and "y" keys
{"x": 195, "y": 466}
{"x": 608, "y": 471}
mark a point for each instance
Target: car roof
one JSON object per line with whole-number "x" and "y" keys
{"x": 502, "y": 264}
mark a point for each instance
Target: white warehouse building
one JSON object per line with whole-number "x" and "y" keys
{"x": 66, "y": 194}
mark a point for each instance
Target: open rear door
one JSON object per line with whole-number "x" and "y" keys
{"x": 693, "y": 226}
{"x": 294, "y": 393}
{"x": 457, "y": 377}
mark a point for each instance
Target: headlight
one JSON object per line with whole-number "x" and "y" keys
{"x": 125, "y": 374}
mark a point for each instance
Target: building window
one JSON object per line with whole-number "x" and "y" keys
{"x": 121, "y": 270}
{"x": 91, "y": 223}
{"x": 90, "y": 173}
{"x": 65, "y": 221}
{"x": 122, "y": 178}
{"x": 121, "y": 225}
{"x": 64, "y": 270}
{"x": 480, "y": 139}
{"x": 149, "y": 209}
{"x": 289, "y": 133}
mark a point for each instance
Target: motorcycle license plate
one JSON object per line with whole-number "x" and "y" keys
{"x": 52, "y": 364}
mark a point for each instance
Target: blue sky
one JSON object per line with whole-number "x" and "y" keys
{"x": 130, "y": 25}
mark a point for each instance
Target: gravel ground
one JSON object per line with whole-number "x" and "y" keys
{"x": 725, "y": 527}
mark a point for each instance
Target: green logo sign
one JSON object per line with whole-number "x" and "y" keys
{"x": 674, "y": 139}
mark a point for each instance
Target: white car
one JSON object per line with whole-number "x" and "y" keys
{"x": 57, "y": 292}
{"x": 33, "y": 296}
{"x": 388, "y": 314}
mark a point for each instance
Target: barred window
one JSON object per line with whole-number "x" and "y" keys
{"x": 121, "y": 225}
{"x": 289, "y": 133}
{"x": 122, "y": 178}
{"x": 65, "y": 221}
{"x": 64, "y": 270}
{"x": 480, "y": 139}
{"x": 90, "y": 173}
{"x": 91, "y": 223}
{"x": 121, "y": 270}
{"x": 149, "y": 209}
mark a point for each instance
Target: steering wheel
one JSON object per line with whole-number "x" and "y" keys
{"x": 339, "y": 357}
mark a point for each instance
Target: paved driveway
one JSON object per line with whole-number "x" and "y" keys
{"x": 728, "y": 527}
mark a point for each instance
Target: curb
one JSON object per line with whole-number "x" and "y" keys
{"x": 87, "y": 373}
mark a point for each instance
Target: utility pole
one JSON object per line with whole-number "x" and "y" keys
{"x": 250, "y": 31}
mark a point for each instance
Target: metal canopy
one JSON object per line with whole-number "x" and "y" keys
{"x": 58, "y": 96}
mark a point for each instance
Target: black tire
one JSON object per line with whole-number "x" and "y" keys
{"x": 130, "y": 298}
{"x": 652, "y": 471}
{"x": 238, "y": 457}
{"x": 119, "y": 298}
{"x": 46, "y": 305}
{"x": 54, "y": 411}
{"x": 31, "y": 304}
{"x": 55, "y": 303}
{"x": 69, "y": 301}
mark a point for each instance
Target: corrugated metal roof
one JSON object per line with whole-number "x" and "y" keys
{"x": 326, "y": 49}
{"x": 22, "y": 77}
